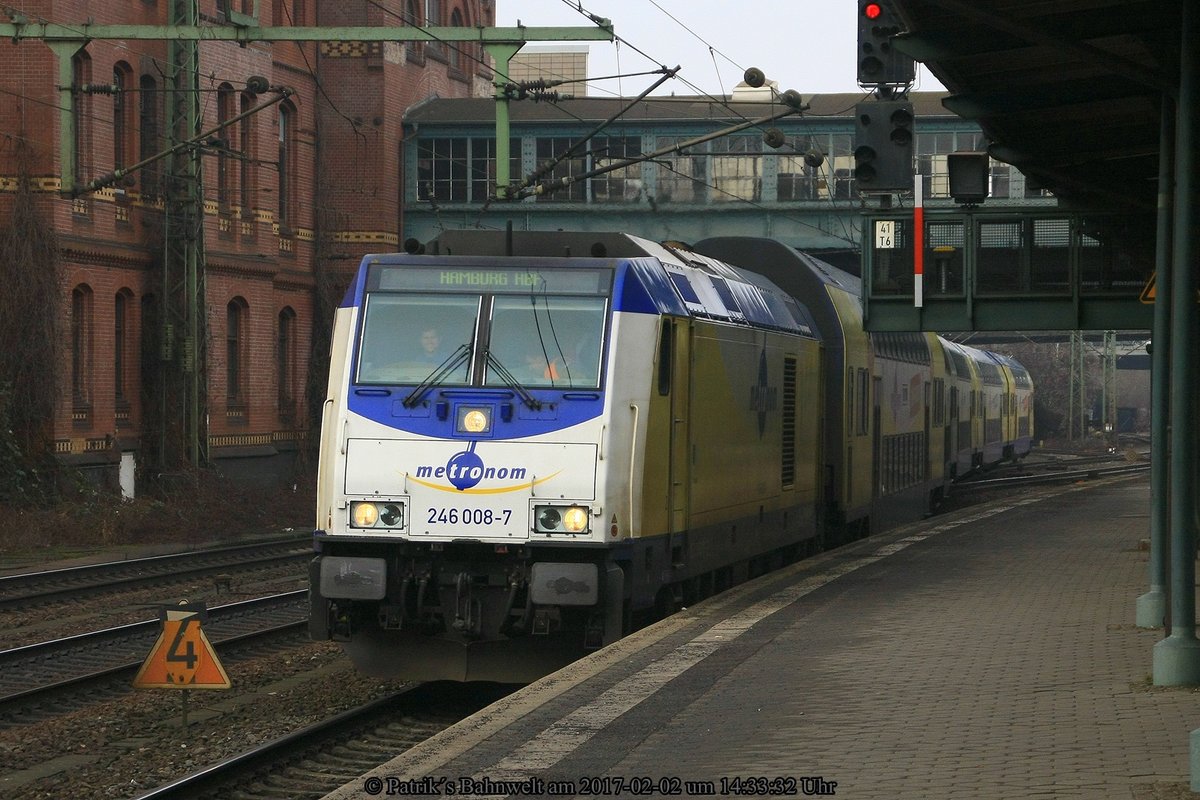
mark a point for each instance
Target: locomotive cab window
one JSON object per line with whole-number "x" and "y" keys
{"x": 460, "y": 326}
{"x": 407, "y": 338}
{"x": 546, "y": 341}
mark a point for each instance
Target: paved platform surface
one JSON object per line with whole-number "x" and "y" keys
{"x": 989, "y": 654}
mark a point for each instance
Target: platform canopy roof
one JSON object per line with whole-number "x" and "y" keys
{"x": 1068, "y": 91}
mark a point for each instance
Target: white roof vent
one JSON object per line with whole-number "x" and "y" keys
{"x": 745, "y": 93}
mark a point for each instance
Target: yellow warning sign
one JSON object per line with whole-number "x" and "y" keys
{"x": 1148, "y": 293}
{"x": 182, "y": 658}
{"x": 1147, "y": 297}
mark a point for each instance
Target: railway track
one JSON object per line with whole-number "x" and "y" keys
{"x": 1061, "y": 476}
{"x": 31, "y": 674}
{"x": 24, "y": 589}
{"x": 317, "y": 759}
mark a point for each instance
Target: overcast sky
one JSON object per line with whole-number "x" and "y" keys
{"x": 807, "y": 45}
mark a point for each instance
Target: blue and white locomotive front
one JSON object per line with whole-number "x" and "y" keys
{"x": 465, "y": 498}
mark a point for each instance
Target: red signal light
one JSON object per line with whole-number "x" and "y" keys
{"x": 872, "y": 10}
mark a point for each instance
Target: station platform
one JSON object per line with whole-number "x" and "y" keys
{"x": 985, "y": 654}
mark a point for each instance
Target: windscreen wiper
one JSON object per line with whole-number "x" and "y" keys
{"x": 439, "y": 374}
{"x": 511, "y": 382}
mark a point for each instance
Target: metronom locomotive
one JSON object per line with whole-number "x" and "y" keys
{"x": 533, "y": 442}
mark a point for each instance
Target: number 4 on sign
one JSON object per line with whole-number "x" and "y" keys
{"x": 182, "y": 657}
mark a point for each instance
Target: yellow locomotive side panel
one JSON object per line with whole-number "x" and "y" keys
{"x": 737, "y": 395}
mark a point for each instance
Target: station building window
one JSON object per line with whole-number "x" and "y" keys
{"x": 682, "y": 177}
{"x": 457, "y": 51}
{"x": 622, "y": 185}
{"x": 81, "y": 111}
{"x": 549, "y": 148}
{"x": 832, "y": 179}
{"x": 287, "y": 167}
{"x": 148, "y": 133}
{"x": 247, "y": 174}
{"x": 237, "y": 318}
{"x": 737, "y": 169}
{"x": 81, "y": 350}
{"x": 225, "y": 105}
{"x": 461, "y": 169}
{"x": 123, "y": 122}
{"x": 122, "y": 306}
{"x": 285, "y": 355}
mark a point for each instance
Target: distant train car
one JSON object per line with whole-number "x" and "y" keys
{"x": 964, "y": 446}
{"x": 1018, "y": 426}
{"x": 531, "y": 442}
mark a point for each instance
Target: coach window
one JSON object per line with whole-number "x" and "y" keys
{"x": 863, "y": 402}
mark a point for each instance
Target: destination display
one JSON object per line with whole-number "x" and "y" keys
{"x": 386, "y": 277}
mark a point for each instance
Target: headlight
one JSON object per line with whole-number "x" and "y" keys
{"x": 376, "y": 515}
{"x": 473, "y": 419}
{"x": 560, "y": 519}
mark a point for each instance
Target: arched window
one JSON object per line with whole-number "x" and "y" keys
{"x": 285, "y": 354}
{"x": 456, "y": 48}
{"x": 412, "y": 16}
{"x": 81, "y": 347}
{"x": 225, "y": 103}
{"x": 246, "y": 173}
{"x": 236, "y": 319}
{"x": 123, "y": 123}
{"x": 148, "y": 127}
{"x": 122, "y": 324}
{"x": 287, "y": 137}
{"x": 433, "y": 19}
{"x": 81, "y": 112}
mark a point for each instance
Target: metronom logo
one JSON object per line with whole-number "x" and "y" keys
{"x": 466, "y": 469}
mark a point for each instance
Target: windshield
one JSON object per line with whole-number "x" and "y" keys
{"x": 407, "y": 337}
{"x": 546, "y": 341}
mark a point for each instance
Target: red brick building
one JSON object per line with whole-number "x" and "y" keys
{"x": 293, "y": 196}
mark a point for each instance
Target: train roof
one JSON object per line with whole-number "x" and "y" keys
{"x": 804, "y": 277}
{"x": 672, "y": 278}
